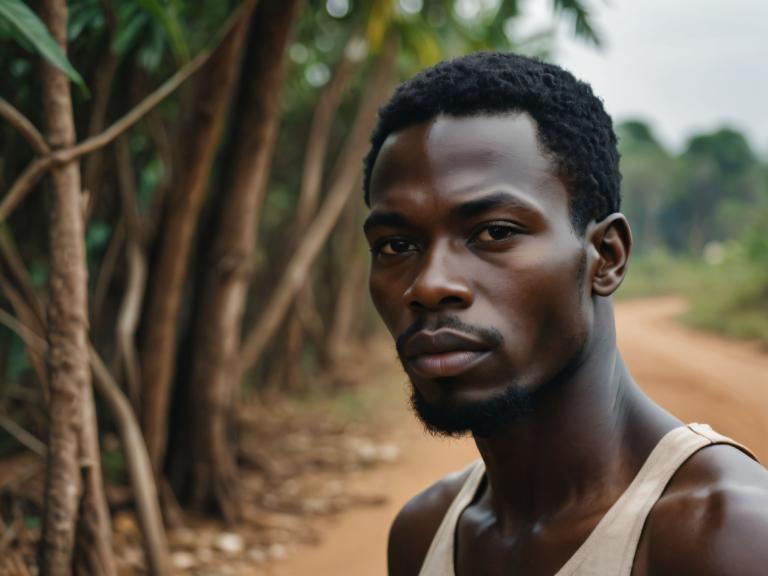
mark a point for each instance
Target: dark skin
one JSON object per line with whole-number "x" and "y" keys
{"x": 470, "y": 221}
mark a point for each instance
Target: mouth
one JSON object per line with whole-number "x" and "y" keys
{"x": 443, "y": 353}
{"x": 446, "y": 364}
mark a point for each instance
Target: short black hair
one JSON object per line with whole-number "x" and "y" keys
{"x": 572, "y": 124}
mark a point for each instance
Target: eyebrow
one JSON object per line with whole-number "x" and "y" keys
{"x": 490, "y": 202}
{"x": 465, "y": 210}
{"x": 389, "y": 219}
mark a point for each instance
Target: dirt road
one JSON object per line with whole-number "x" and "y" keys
{"x": 698, "y": 377}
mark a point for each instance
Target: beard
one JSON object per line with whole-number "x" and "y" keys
{"x": 481, "y": 418}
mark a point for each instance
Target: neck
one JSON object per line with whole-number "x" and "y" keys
{"x": 585, "y": 441}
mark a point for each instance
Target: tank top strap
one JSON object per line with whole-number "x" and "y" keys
{"x": 611, "y": 547}
{"x": 439, "y": 559}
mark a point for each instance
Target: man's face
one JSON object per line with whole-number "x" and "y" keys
{"x": 476, "y": 268}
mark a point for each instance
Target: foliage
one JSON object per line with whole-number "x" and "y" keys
{"x": 23, "y": 25}
{"x": 730, "y": 297}
{"x": 712, "y": 192}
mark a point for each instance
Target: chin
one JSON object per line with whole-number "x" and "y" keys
{"x": 482, "y": 417}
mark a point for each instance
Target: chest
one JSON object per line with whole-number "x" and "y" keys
{"x": 534, "y": 550}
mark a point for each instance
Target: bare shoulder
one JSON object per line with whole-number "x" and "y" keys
{"x": 417, "y": 522}
{"x": 712, "y": 518}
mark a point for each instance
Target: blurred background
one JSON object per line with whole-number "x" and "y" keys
{"x": 250, "y": 412}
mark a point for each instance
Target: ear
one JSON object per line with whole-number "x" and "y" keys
{"x": 610, "y": 243}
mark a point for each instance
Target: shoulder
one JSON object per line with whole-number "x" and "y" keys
{"x": 712, "y": 518}
{"x": 417, "y": 522}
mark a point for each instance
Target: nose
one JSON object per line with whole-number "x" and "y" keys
{"x": 439, "y": 283}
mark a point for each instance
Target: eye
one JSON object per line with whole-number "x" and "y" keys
{"x": 394, "y": 247}
{"x": 495, "y": 232}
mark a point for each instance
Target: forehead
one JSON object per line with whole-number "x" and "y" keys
{"x": 458, "y": 158}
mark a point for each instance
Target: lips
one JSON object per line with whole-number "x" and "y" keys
{"x": 443, "y": 353}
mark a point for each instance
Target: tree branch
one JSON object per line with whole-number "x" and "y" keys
{"x": 40, "y": 166}
{"x": 134, "y": 449}
{"x": 25, "y": 438}
{"x": 138, "y": 111}
{"x": 137, "y": 460}
{"x": 23, "y": 184}
{"x": 316, "y": 234}
{"x": 138, "y": 465}
{"x": 25, "y": 126}
{"x": 28, "y": 336}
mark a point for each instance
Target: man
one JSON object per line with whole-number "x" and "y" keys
{"x": 497, "y": 243}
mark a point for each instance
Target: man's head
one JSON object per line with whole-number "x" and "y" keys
{"x": 573, "y": 128}
{"x": 493, "y": 187}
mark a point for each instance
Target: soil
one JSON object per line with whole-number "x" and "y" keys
{"x": 698, "y": 377}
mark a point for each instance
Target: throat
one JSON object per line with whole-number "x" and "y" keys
{"x": 575, "y": 448}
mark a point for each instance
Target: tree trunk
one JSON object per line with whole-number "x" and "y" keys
{"x": 130, "y": 307}
{"x": 341, "y": 188}
{"x": 93, "y": 164}
{"x": 351, "y": 267}
{"x": 73, "y": 477}
{"x": 304, "y": 308}
{"x": 212, "y": 473}
{"x": 201, "y": 138}
{"x": 139, "y": 470}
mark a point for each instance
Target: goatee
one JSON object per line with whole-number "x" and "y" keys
{"x": 481, "y": 419}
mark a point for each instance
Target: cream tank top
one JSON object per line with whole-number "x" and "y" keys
{"x": 610, "y": 549}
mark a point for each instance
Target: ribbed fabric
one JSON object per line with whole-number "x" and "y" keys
{"x": 610, "y": 548}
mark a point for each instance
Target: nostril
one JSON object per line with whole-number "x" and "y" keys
{"x": 450, "y": 300}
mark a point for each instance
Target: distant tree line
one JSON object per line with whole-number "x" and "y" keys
{"x": 714, "y": 191}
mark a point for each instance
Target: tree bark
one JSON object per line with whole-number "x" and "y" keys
{"x": 93, "y": 165}
{"x": 130, "y": 306}
{"x": 213, "y": 472}
{"x": 201, "y": 139}
{"x": 304, "y": 308}
{"x": 351, "y": 267}
{"x": 341, "y": 188}
{"x": 139, "y": 469}
{"x": 73, "y": 479}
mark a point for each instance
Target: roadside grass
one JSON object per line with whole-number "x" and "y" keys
{"x": 730, "y": 297}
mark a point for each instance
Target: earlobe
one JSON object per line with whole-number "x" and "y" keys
{"x": 611, "y": 241}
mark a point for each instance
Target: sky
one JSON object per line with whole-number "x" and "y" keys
{"x": 686, "y": 66}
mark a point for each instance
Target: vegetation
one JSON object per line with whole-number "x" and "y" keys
{"x": 203, "y": 230}
{"x": 700, "y": 221}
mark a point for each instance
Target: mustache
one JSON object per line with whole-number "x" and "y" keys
{"x": 490, "y": 336}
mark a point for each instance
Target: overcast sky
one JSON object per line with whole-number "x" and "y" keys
{"x": 684, "y": 65}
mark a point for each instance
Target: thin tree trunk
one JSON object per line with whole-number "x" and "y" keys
{"x": 340, "y": 190}
{"x": 72, "y": 437}
{"x": 201, "y": 139}
{"x": 29, "y": 311}
{"x": 130, "y": 307}
{"x": 93, "y": 165}
{"x": 304, "y": 308}
{"x": 213, "y": 473}
{"x": 93, "y": 540}
{"x": 14, "y": 282}
{"x": 139, "y": 469}
{"x": 351, "y": 267}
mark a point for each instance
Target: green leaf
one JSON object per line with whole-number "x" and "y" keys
{"x": 25, "y": 25}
